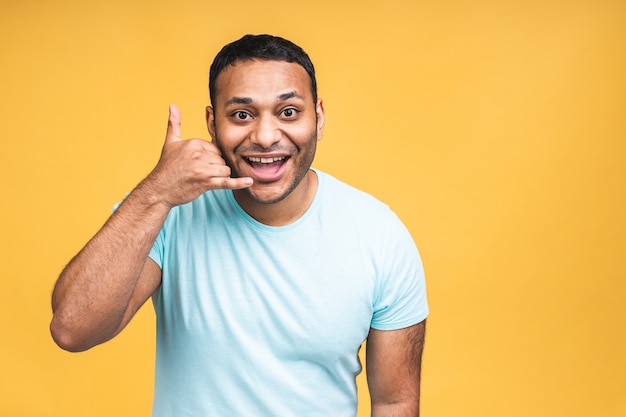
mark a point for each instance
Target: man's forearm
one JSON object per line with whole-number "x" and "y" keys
{"x": 92, "y": 294}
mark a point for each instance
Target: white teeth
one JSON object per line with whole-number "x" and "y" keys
{"x": 266, "y": 160}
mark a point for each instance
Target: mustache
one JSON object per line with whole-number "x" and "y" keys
{"x": 275, "y": 148}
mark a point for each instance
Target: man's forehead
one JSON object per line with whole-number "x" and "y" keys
{"x": 247, "y": 78}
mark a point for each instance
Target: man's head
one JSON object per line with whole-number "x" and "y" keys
{"x": 260, "y": 47}
{"x": 265, "y": 117}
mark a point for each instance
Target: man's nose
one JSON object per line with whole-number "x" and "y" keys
{"x": 266, "y": 132}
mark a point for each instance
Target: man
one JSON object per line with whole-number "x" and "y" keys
{"x": 266, "y": 275}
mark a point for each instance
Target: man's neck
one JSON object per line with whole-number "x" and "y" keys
{"x": 286, "y": 211}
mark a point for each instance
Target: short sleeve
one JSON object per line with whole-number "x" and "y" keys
{"x": 400, "y": 291}
{"x": 156, "y": 253}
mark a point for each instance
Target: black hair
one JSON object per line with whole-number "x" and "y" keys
{"x": 262, "y": 47}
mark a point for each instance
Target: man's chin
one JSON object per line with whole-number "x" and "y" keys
{"x": 263, "y": 194}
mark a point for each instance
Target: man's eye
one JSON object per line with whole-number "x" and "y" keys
{"x": 241, "y": 115}
{"x": 290, "y": 112}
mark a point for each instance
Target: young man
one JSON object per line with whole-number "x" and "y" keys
{"x": 266, "y": 275}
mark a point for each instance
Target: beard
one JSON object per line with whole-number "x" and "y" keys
{"x": 301, "y": 158}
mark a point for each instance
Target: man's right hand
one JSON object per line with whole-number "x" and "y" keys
{"x": 188, "y": 168}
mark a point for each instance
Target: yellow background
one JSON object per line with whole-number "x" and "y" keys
{"x": 495, "y": 129}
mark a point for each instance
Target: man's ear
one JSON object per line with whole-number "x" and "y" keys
{"x": 319, "y": 111}
{"x": 210, "y": 121}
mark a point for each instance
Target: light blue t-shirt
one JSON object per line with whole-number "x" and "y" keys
{"x": 254, "y": 320}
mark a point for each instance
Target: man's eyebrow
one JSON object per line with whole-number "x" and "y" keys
{"x": 238, "y": 100}
{"x": 248, "y": 100}
{"x": 291, "y": 94}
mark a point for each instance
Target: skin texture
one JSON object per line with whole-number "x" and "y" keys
{"x": 263, "y": 109}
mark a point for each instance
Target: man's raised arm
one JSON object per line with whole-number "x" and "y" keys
{"x": 105, "y": 284}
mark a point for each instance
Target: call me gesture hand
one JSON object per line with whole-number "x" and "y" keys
{"x": 188, "y": 168}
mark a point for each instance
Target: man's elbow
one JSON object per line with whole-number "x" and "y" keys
{"x": 66, "y": 338}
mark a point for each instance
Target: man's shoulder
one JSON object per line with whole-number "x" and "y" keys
{"x": 211, "y": 204}
{"x": 353, "y": 212}
{"x": 343, "y": 192}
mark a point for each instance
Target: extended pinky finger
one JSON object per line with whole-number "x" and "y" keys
{"x": 233, "y": 183}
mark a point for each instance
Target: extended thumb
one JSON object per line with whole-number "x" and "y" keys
{"x": 173, "y": 125}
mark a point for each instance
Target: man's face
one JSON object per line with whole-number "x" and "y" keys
{"x": 266, "y": 125}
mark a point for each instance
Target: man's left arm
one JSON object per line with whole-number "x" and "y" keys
{"x": 393, "y": 364}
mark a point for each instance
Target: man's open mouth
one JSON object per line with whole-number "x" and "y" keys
{"x": 266, "y": 168}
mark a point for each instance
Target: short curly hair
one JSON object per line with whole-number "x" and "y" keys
{"x": 261, "y": 47}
